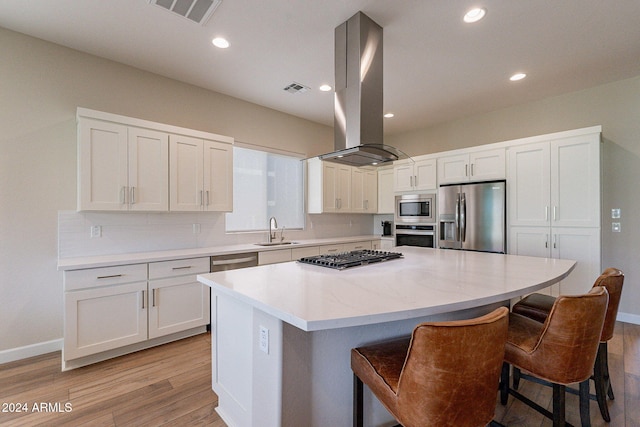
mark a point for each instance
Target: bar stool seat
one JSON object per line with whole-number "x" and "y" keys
{"x": 445, "y": 374}
{"x": 560, "y": 351}
{"x": 538, "y": 306}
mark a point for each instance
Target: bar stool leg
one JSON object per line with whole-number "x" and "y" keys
{"x": 358, "y": 392}
{"x": 602, "y": 381}
{"x": 504, "y": 383}
{"x": 558, "y": 405}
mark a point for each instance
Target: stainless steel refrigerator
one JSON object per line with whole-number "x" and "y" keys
{"x": 473, "y": 216}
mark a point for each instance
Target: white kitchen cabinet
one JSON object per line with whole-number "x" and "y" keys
{"x": 555, "y": 183}
{"x": 274, "y": 256}
{"x": 358, "y": 246}
{"x": 105, "y": 308}
{"x": 121, "y": 167}
{"x": 581, "y": 244}
{"x": 417, "y": 174}
{"x": 484, "y": 165}
{"x": 329, "y": 187}
{"x": 177, "y": 301}
{"x": 364, "y": 190}
{"x": 386, "y": 197}
{"x": 201, "y": 174}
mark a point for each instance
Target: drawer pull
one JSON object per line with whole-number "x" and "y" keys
{"x": 112, "y": 276}
{"x": 181, "y": 268}
{"x": 143, "y": 299}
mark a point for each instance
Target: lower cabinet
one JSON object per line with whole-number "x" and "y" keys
{"x": 111, "y": 311}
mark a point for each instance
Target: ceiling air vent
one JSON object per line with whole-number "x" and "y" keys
{"x": 296, "y": 88}
{"x": 198, "y": 11}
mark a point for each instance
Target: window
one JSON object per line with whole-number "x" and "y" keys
{"x": 266, "y": 185}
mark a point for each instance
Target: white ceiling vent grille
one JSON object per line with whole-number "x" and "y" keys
{"x": 296, "y": 88}
{"x": 198, "y": 11}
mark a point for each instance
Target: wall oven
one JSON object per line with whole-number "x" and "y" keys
{"x": 415, "y": 209}
{"x": 416, "y": 235}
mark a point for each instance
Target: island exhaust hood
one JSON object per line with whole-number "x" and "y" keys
{"x": 358, "y": 126}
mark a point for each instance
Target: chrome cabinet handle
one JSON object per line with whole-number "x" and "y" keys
{"x": 132, "y": 195}
{"x": 111, "y": 276}
{"x": 181, "y": 268}
{"x": 415, "y": 180}
{"x": 122, "y": 195}
{"x": 471, "y": 169}
{"x": 143, "y": 299}
{"x": 153, "y": 297}
{"x": 546, "y": 213}
{"x": 207, "y": 197}
{"x": 201, "y": 199}
{"x": 555, "y": 216}
{"x": 466, "y": 170}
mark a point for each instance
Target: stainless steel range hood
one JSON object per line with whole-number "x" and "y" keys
{"x": 358, "y": 126}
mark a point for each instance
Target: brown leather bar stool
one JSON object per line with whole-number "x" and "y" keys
{"x": 538, "y": 306}
{"x": 445, "y": 374}
{"x": 561, "y": 351}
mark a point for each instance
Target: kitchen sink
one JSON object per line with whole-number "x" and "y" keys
{"x": 275, "y": 243}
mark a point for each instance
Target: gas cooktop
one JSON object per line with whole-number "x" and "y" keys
{"x": 344, "y": 260}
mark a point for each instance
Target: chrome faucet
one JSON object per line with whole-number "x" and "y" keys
{"x": 273, "y": 224}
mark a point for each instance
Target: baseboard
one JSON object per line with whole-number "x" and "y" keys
{"x": 27, "y": 351}
{"x": 628, "y": 318}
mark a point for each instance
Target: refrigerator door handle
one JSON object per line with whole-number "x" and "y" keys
{"x": 463, "y": 217}
{"x": 457, "y": 217}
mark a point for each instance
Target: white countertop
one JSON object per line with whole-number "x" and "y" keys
{"x": 142, "y": 257}
{"x": 424, "y": 282}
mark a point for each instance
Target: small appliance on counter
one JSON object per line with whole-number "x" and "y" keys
{"x": 387, "y": 228}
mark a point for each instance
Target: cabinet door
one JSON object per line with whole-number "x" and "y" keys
{"x": 403, "y": 175}
{"x": 357, "y": 190}
{"x": 186, "y": 173}
{"x": 582, "y": 245}
{"x": 575, "y": 181}
{"x": 371, "y": 192}
{"x": 453, "y": 169}
{"x": 274, "y": 257}
{"x": 529, "y": 185}
{"x": 343, "y": 188}
{"x": 148, "y": 170}
{"x": 532, "y": 241}
{"x": 102, "y": 177}
{"x": 425, "y": 177}
{"x": 386, "y": 198}
{"x": 105, "y": 318}
{"x": 357, "y": 246}
{"x": 218, "y": 176}
{"x": 177, "y": 304}
{"x": 329, "y": 187}
{"x": 487, "y": 165}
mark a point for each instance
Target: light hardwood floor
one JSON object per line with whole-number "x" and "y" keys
{"x": 170, "y": 385}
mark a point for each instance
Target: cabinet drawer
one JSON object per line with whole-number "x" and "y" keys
{"x": 178, "y": 267}
{"x": 331, "y": 249}
{"x": 298, "y": 253}
{"x": 273, "y": 257}
{"x": 104, "y": 276}
{"x": 357, "y": 246}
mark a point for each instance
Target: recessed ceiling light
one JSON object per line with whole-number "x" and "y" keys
{"x": 517, "y": 76}
{"x": 474, "y": 15}
{"x": 325, "y": 88}
{"x": 388, "y": 115}
{"x": 220, "y": 42}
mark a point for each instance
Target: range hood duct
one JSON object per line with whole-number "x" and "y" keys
{"x": 358, "y": 126}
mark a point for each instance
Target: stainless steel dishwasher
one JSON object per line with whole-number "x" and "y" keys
{"x": 233, "y": 261}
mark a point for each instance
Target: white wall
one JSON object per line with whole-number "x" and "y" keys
{"x": 615, "y": 106}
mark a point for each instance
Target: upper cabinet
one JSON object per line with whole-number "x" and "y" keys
{"x": 482, "y": 165}
{"x": 123, "y": 165}
{"x": 337, "y": 188}
{"x": 386, "y": 197}
{"x": 415, "y": 174}
{"x": 555, "y": 183}
{"x": 201, "y": 175}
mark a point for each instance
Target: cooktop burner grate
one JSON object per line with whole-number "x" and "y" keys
{"x": 344, "y": 260}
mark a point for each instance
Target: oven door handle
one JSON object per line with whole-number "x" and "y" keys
{"x": 415, "y": 233}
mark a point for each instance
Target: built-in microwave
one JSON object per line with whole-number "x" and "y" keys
{"x": 415, "y": 209}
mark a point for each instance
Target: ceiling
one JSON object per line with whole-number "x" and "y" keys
{"x": 436, "y": 68}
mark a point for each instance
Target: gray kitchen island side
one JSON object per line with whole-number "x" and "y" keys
{"x": 282, "y": 333}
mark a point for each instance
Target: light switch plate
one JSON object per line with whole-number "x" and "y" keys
{"x": 615, "y": 213}
{"x": 615, "y": 227}
{"x": 264, "y": 339}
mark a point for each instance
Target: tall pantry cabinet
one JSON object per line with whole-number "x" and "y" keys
{"x": 554, "y": 203}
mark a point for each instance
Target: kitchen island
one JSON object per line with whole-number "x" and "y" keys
{"x": 281, "y": 333}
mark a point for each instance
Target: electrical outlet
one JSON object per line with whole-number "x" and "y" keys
{"x": 615, "y": 227}
{"x": 95, "y": 231}
{"x": 264, "y": 339}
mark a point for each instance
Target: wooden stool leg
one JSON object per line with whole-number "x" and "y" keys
{"x": 601, "y": 380}
{"x": 358, "y": 392}
{"x": 558, "y": 405}
{"x": 585, "y": 418}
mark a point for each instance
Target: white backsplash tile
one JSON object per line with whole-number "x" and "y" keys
{"x": 128, "y": 232}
